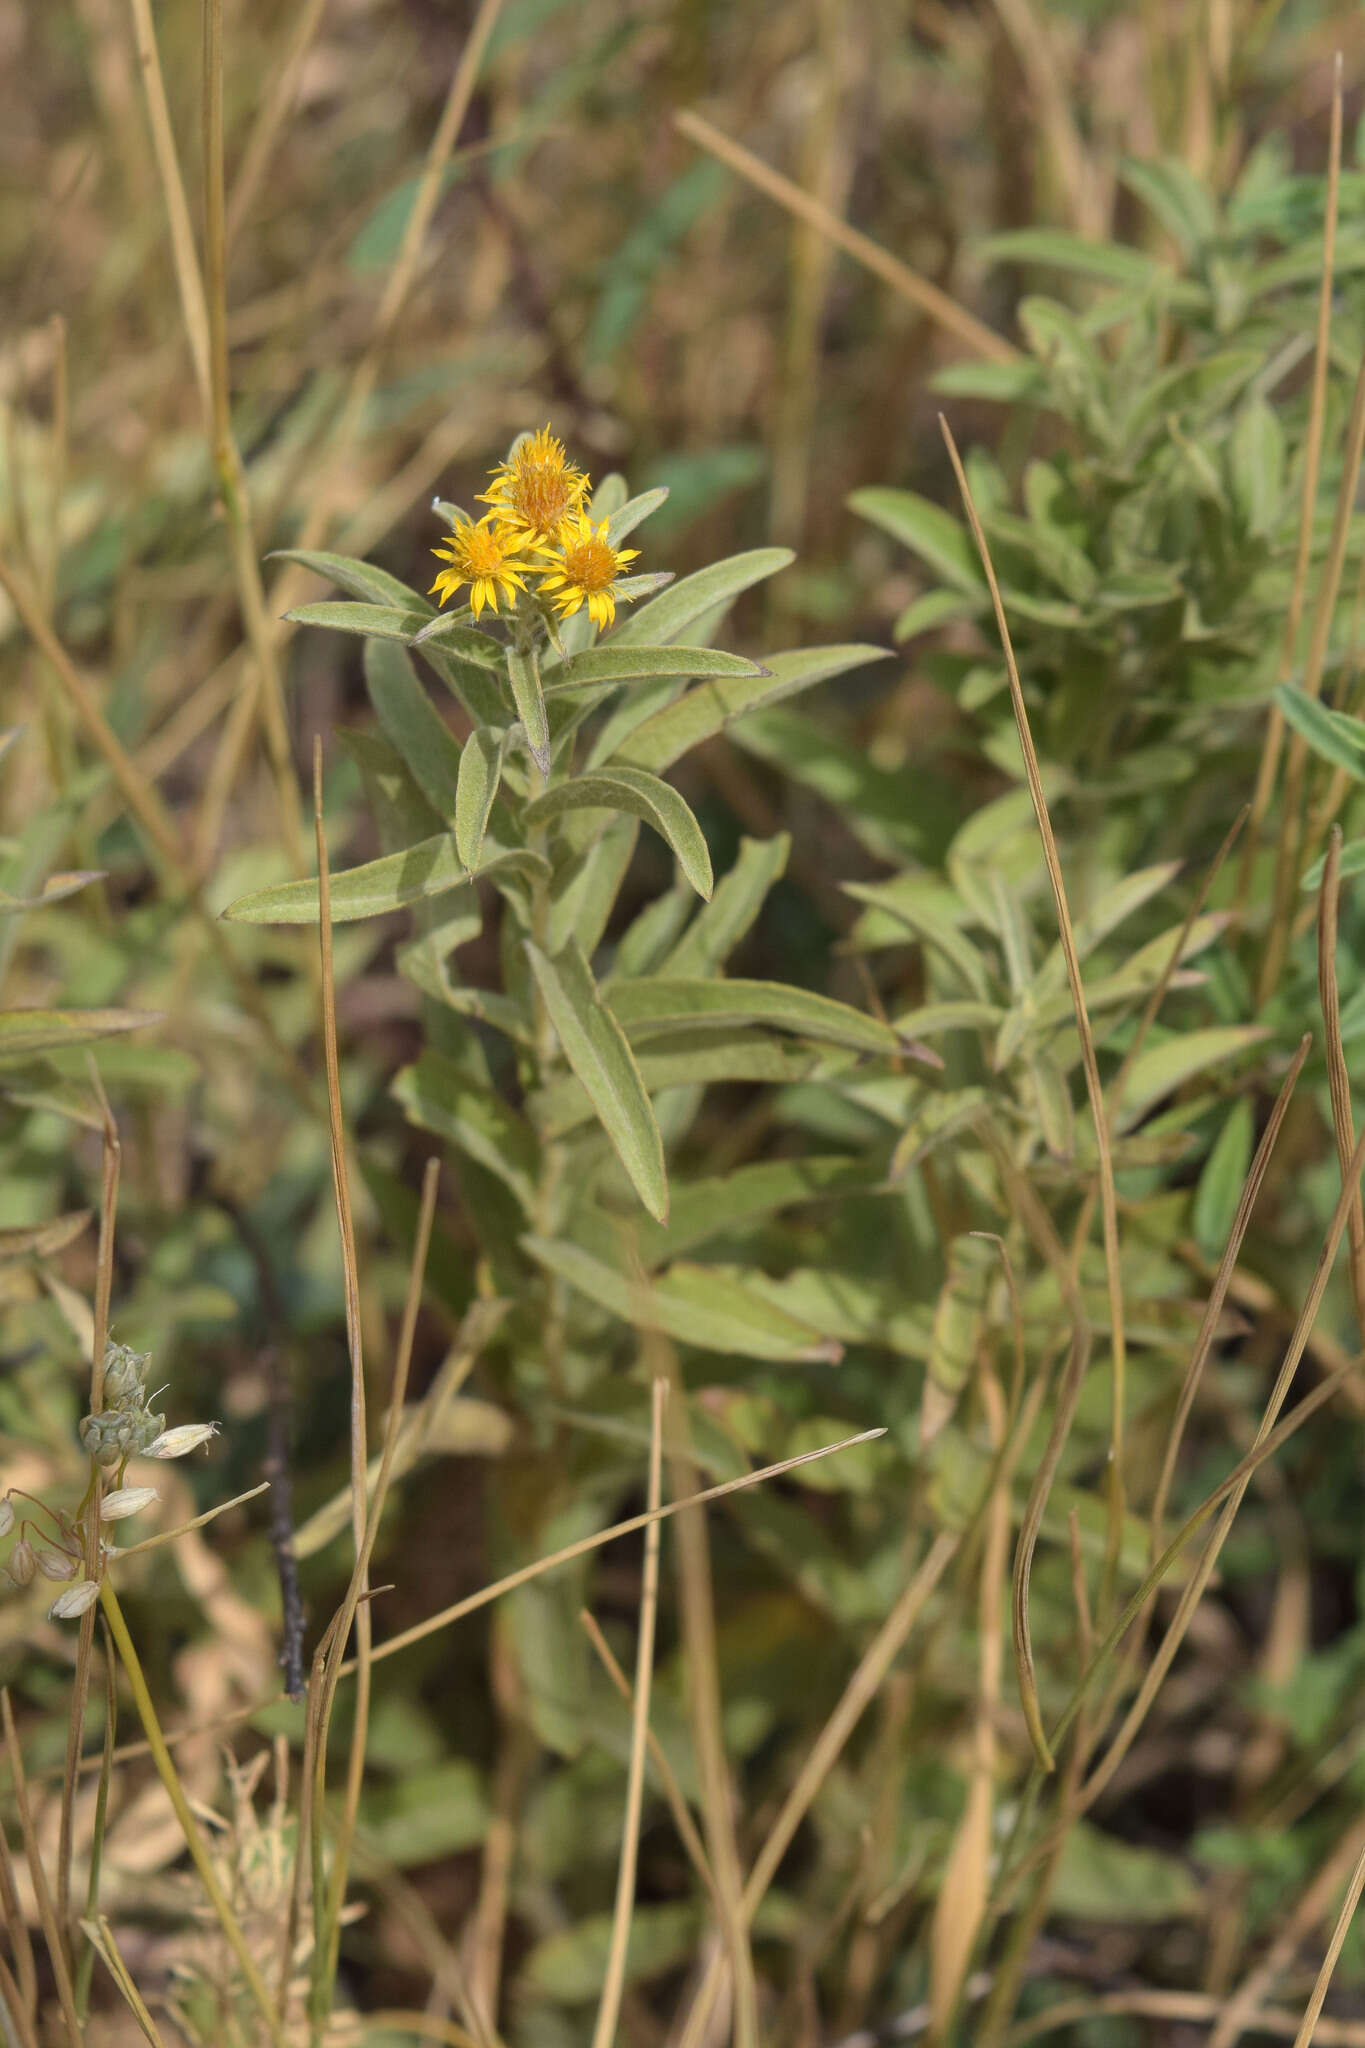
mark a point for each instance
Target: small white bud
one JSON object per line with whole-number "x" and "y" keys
{"x": 127, "y": 1500}
{"x": 177, "y": 1443}
{"x": 6, "y": 1515}
{"x": 74, "y": 1600}
{"x": 55, "y": 1564}
{"x": 22, "y": 1562}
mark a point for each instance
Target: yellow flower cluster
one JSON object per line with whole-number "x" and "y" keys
{"x": 537, "y": 526}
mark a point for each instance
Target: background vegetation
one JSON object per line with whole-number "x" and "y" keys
{"x": 1010, "y": 1229}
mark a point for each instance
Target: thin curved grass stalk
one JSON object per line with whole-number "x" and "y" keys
{"x": 189, "y": 1826}
{"x": 861, "y": 1689}
{"x": 1218, "y": 1293}
{"x": 1094, "y": 1089}
{"x": 1193, "y": 2008}
{"x": 86, "y": 1966}
{"x": 674, "y": 1796}
{"x": 1194, "y": 1590}
{"x": 1329, "y": 1962}
{"x": 1338, "y": 1078}
{"x": 195, "y": 1522}
{"x": 85, "y": 1642}
{"x": 16, "y": 1926}
{"x": 100, "y": 1936}
{"x": 609, "y": 2009}
{"x": 1347, "y": 1855}
{"x": 705, "y": 1711}
{"x": 1274, "y": 736}
{"x": 1039, "y": 1226}
{"x": 15, "y": 2022}
{"x": 927, "y": 298}
{"x": 47, "y": 1916}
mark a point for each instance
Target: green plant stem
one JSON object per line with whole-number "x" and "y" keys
{"x": 189, "y": 1826}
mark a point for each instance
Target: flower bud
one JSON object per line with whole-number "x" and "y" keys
{"x": 6, "y": 1515}
{"x": 74, "y": 1600}
{"x": 55, "y": 1564}
{"x": 177, "y": 1443}
{"x": 127, "y": 1500}
{"x": 22, "y": 1562}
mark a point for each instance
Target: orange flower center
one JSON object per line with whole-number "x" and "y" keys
{"x": 541, "y": 493}
{"x": 591, "y": 564}
{"x": 480, "y": 551}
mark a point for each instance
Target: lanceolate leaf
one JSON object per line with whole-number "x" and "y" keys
{"x": 628, "y": 516}
{"x": 375, "y": 621}
{"x": 706, "y": 1209}
{"x": 523, "y": 672}
{"x": 716, "y": 931}
{"x": 23, "y": 1032}
{"x": 678, "y": 607}
{"x": 596, "y": 1048}
{"x": 648, "y": 1007}
{"x": 1163, "y": 1068}
{"x": 362, "y": 579}
{"x": 412, "y": 724}
{"x": 685, "y": 1059}
{"x": 606, "y": 666}
{"x": 439, "y": 1097}
{"x": 476, "y": 787}
{"x": 699, "y": 1305}
{"x": 927, "y": 530}
{"x": 1336, "y": 737}
{"x": 644, "y": 796}
{"x": 676, "y": 728}
{"x": 378, "y": 886}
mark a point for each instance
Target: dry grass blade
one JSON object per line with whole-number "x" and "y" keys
{"x": 857, "y": 1695}
{"x": 1218, "y": 1293}
{"x": 196, "y": 1522}
{"x": 1338, "y": 1078}
{"x": 1194, "y": 1590}
{"x": 270, "y": 117}
{"x": 101, "y": 1938}
{"x": 609, "y": 2009}
{"x": 15, "y": 2021}
{"x": 193, "y": 309}
{"x": 1347, "y": 1855}
{"x": 1329, "y": 1961}
{"x": 971, "y": 332}
{"x": 961, "y": 1901}
{"x": 1108, "y": 1202}
{"x": 47, "y": 1915}
{"x": 706, "y": 1716}
{"x": 16, "y": 1927}
{"x": 527, "y": 1572}
{"x": 1274, "y": 737}
{"x": 86, "y": 1966}
{"x": 673, "y": 1792}
{"x": 1191, "y": 2008}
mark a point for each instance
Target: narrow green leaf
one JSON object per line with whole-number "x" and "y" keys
{"x": 604, "y": 667}
{"x": 476, "y": 786}
{"x": 23, "y": 1032}
{"x": 950, "y": 946}
{"x": 523, "y": 673}
{"x": 627, "y": 517}
{"x": 683, "y": 603}
{"x": 1224, "y": 1176}
{"x": 362, "y": 579}
{"x": 399, "y": 809}
{"x": 439, "y": 1097}
{"x": 676, "y": 728}
{"x": 412, "y": 724}
{"x": 699, "y": 1305}
{"x": 596, "y": 1048}
{"x": 55, "y": 889}
{"x": 942, "y": 1117}
{"x": 584, "y": 891}
{"x": 717, "y": 930}
{"x": 379, "y": 885}
{"x": 1332, "y": 734}
{"x": 1110, "y": 262}
{"x": 40, "y": 1240}
{"x": 704, "y": 1209}
{"x": 375, "y": 621}
{"x": 480, "y": 690}
{"x": 644, "y": 796}
{"x": 1352, "y": 863}
{"x": 1161, "y": 1069}
{"x": 648, "y": 1007}
{"x": 927, "y": 530}
{"x": 684, "y": 1059}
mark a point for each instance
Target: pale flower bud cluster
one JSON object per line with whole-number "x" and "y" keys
{"x": 125, "y": 1427}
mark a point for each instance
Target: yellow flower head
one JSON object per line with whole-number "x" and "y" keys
{"x": 485, "y": 557}
{"x": 583, "y": 570}
{"x": 536, "y": 489}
